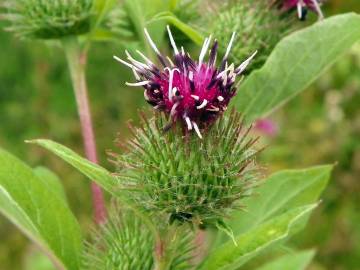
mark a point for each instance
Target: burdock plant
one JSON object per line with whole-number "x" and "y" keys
{"x": 190, "y": 163}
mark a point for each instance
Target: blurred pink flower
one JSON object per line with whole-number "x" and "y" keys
{"x": 267, "y": 127}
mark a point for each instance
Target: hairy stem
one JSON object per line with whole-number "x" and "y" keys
{"x": 165, "y": 247}
{"x": 76, "y": 59}
{"x": 161, "y": 256}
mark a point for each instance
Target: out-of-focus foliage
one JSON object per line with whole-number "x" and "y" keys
{"x": 295, "y": 63}
{"x": 36, "y": 99}
{"x": 38, "y": 210}
{"x": 322, "y": 125}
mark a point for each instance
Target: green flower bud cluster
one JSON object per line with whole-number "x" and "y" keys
{"x": 122, "y": 243}
{"x": 186, "y": 179}
{"x": 258, "y": 25}
{"x": 48, "y": 19}
{"x": 125, "y": 242}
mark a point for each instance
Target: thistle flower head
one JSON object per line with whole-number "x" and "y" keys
{"x": 45, "y": 19}
{"x": 302, "y": 6}
{"x": 125, "y": 242}
{"x": 186, "y": 179}
{"x": 194, "y": 92}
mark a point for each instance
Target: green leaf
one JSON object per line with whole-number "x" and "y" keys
{"x": 38, "y": 212}
{"x": 279, "y": 192}
{"x": 295, "y": 63}
{"x": 36, "y": 260}
{"x": 52, "y": 181}
{"x": 91, "y": 170}
{"x": 138, "y": 12}
{"x": 222, "y": 226}
{"x": 169, "y": 17}
{"x": 295, "y": 261}
{"x": 228, "y": 256}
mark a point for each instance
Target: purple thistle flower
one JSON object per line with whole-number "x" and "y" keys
{"x": 194, "y": 92}
{"x": 302, "y": 5}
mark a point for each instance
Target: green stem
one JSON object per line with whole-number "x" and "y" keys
{"x": 76, "y": 59}
{"x": 165, "y": 247}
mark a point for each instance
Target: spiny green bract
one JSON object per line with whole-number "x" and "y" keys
{"x": 48, "y": 19}
{"x": 125, "y": 242}
{"x": 186, "y": 178}
{"x": 258, "y": 26}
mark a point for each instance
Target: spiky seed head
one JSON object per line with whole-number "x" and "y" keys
{"x": 125, "y": 242}
{"x": 258, "y": 25}
{"x": 48, "y": 19}
{"x": 194, "y": 92}
{"x": 187, "y": 179}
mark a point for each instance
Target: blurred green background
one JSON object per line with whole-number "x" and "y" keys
{"x": 322, "y": 125}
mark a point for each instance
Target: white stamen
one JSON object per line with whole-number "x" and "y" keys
{"x": 230, "y": 45}
{"x": 225, "y": 79}
{"x": 152, "y": 44}
{"x": 146, "y": 96}
{"x": 220, "y": 98}
{"x": 188, "y": 122}
{"x": 213, "y": 109}
{"x": 318, "y": 9}
{"x": 214, "y": 63}
{"x": 244, "y": 64}
{"x": 196, "y": 128}
{"x": 136, "y": 75}
{"x": 174, "y": 90}
{"x": 172, "y": 41}
{"x": 195, "y": 97}
{"x": 182, "y": 51}
{"x": 300, "y": 5}
{"x": 222, "y": 73}
{"x": 156, "y": 91}
{"x": 173, "y": 109}
{"x": 204, "y": 50}
{"x": 202, "y": 105}
{"x": 171, "y": 77}
{"x": 191, "y": 75}
{"x": 135, "y": 61}
{"x": 138, "y": 83}
{"x": 148, "y": 61}
{"x": 123, "y": 62}
{"x": 201, "y": 52}
{"x": 170, "y": 61}
{"x": 231, "y": 69}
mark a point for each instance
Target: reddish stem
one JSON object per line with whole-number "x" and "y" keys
{"x": 77, "y": 62}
